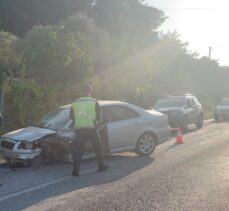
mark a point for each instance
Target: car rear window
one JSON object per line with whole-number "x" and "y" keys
{"x": 170, "y": 102}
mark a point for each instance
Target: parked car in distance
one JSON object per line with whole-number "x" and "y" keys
{"x": 182, "y": 110}
{"x": 221, "y": 112}
{"x": 129, "y": 128}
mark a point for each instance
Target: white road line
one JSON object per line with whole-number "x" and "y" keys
{"x": 53, "y": 182}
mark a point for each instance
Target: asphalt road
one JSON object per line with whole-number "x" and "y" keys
{"x": 191, "y": 176}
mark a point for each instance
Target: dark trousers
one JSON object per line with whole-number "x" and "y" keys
{"x": 82, "y": 137}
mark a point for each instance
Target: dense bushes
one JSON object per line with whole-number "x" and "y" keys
{"x": 26, "y": 102}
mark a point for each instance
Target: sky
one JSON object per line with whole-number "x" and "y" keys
{"x": 201, "y": 23}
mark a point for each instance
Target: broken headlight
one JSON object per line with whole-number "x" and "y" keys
{"x": 27, "y": 145}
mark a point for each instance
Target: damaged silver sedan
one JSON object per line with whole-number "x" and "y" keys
{"x": 126, "y": 128}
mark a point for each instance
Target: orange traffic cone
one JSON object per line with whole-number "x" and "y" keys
{"x": 179, "y": 139}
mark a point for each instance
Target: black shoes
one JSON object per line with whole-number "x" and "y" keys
{"x": 102, "y": 168}
{"x": 75, "y": 172}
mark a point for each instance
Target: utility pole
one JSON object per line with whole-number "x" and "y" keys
{"x": 210, "y": 53}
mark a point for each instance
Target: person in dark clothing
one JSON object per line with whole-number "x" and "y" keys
{"x": 86, "y": 113}
{"x": 1, "y": 120}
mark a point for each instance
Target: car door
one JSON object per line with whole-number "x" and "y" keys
{"x": 122, "y": 125}
{"x": 196, "y": 108}
{"x": 190, "y": 110}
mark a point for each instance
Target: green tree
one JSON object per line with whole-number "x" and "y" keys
{"x": 131, "y": 19}
{"x": 52, "y": 56}
{"x": 105, "y": 49}
{"x": 26, "y": 102}
{"x": 19, "y": 16}
{"x": 9, "y": 59}
{"x": 119, "y": 17}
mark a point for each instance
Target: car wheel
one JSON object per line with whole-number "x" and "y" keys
{"x": 53, "y": 151}
{"x": 200, "y": 122}
{"x": 146, "y": 144}
{"x": 184, "y": 125}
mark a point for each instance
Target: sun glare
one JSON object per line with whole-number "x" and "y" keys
{"x": 200, "y": 23}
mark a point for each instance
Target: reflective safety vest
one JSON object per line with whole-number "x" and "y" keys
{"x": 84, "y": 112}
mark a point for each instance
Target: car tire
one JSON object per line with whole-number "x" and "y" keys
{"x": 200, "y": 122}
{"x": 146, "y": 144}
{"x": 54, "y": 151}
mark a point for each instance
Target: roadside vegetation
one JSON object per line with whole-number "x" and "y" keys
{"x": 49, "y": 48}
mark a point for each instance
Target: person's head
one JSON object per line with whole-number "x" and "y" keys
{"x": 87, "y": 89}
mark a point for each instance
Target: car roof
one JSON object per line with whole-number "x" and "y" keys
{"x": 173, "y": 97}
{"x": 109, "y": 102}
{"x": 102, "y": 103}
{"x": 179, "y": 95}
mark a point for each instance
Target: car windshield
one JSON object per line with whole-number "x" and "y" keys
{"x": 54, "y": 120}
{"x": 224, "y": 103}
{"x": 170, "y": 102}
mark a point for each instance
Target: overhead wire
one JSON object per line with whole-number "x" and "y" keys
{"x": 186, "y": 8}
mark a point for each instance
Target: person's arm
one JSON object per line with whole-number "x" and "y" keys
{"x": 1, "y": 120}
{"x": 98, "y": 112}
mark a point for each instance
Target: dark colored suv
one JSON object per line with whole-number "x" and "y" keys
{"x": 182, "y": 110}
{"x": 222, "y": 110}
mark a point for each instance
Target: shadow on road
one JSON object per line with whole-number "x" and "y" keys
{"x": 173, "y": 146}
{"x": 190, "y": 130}
{"x": 117, "y": 171}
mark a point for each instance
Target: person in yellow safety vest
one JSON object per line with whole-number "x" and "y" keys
{"x": 85, "y": 113}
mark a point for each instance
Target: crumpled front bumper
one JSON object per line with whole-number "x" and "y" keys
{"x": 19, "y": 156}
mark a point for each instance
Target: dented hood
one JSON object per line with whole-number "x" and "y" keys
{"x": 28, "y": 134}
